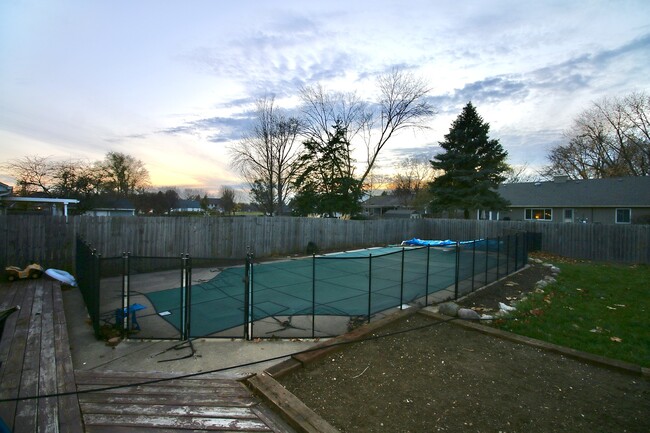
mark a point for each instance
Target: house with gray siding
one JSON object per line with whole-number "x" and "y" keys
{"x": 621, "y": 200}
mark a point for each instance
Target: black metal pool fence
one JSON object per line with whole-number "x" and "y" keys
{"x": 187, "y": 297}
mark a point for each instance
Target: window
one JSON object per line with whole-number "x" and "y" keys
{"x": 568, "y": 215}
{"x": 539, "y": 214}
{"x": 623, "y": 216}
{"x": 488, "y": 215}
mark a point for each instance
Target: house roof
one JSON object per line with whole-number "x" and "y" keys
{"x": 5, "y": 189}
{"x": 378, "y": 201}
{"x": 401, "y": 212}
{"x": 187, "y": 204}
{"x": 107, "y": 203}
{"x": 562, "y": 192}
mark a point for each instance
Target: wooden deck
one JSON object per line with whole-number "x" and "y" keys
{"x": 205, "y": 403}
{"x": 36, "y": 360}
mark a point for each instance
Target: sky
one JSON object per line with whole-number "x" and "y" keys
{"x": 173, "y": 83}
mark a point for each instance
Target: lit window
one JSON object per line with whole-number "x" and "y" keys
{"x": 623, "y": 216}
{"x": 539, "y": 214}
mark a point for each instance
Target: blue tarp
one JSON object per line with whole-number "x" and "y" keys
{"x": 436, "y": 243}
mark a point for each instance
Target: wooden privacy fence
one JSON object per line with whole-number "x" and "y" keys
{"x": 51, "y": 240}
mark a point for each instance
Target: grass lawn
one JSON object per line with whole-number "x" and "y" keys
{"x": 598, "y": 308}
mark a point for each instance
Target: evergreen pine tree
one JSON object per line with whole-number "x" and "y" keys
{"x": 473, "y": 166}
{"x": 325, "y": 184}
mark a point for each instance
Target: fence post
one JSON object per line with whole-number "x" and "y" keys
{"x": 247, "y": 295}
{"x": 498, "y": 254}
{"x": 183, "y": 302}
{"x": 96, "y": 287}
{"x": 507, "y": 254}
{"x": 313, "y": 296}
{"x": 525, "y": 249}
{"x": 188, "y": 295}
{"x": 401, "y": 284}
{"x": 251, "y": 298}
{"x": 487, "y": 252}
{"x": 516, "y": 250}
{"x": 369, "y": 285}
{"x": 473, "y": 262}
{"x": 126, "y": 318}
{"x": 457, "y": 269}
{"x": 426, "y": 280}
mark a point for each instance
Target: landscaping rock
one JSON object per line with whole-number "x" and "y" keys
{"x": 468, "y": 314}
{"x": 541, "y": 284}
{"x": 449, "y": 309}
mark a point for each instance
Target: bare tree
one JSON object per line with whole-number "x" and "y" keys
{"x": 33, "y": 174}
{"x": 377, "y": 180}
{"x": 123, "y": 174}
{"x": 611, "y": 138}
{"x": 194, "y": 193}
{"x": 520, "y": 173}
{"x": 412, "y": 175}
{"x": 266, "y": 157}
{"x": 402, "y": 104}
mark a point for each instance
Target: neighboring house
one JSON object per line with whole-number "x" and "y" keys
{"x": 215, "y": 204}
{"x": 34, "y": 204}
{"x": 377, "y": 206}
{"x": 187, "y": 206}
{"x": 119, "y": 207}
{"x": 5, "y": 189}
{"x": 402, "y": 213}
{"x": 624, "y": 200}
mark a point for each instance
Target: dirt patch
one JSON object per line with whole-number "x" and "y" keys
{"x": 435, "y": 376}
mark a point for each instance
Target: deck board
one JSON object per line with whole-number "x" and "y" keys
{"x": 35, "y": 357}
{"x": 179, "y": 405}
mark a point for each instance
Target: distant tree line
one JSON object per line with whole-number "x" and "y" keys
{"x": 116, "y": 180}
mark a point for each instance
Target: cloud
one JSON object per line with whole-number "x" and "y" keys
{"x": 273, "y": 59}
{"x": 494, "y": 89}
{"x": 565, "y": 77}
{"x": 420, "y": 152}
{"x": 219, "y": 129}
